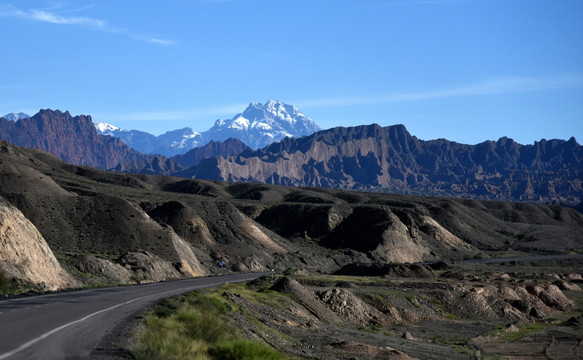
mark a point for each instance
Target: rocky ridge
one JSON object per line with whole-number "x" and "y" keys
{"x": 390, "y": 159}
{"x": 161, "y": 165}
{"x": 73, "y": 139}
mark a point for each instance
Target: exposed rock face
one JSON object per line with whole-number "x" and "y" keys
{"x": 73, "y": 139}
{"x": 154, "y": 164}
{"x": 189, "y": 264}
{"x": 111, "y": 272}
{"x": 511, "y": 301}
{"x": 228, "y": 147}
{"x": 551, "y": 295}
{"x": 373, "y": 157}
{"x": 385, "y": 236}
{"x": 348, "y": 306}
{"x": 160, "y": 165}
{"x": 25, "y": 255}
{"x": 148, "y": 266}
{"x": 306, "y": 298}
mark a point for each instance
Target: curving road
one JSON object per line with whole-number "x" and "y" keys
{"x": 75, "y": 325}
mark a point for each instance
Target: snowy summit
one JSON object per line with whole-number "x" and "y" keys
{"x": 261, "y": 124}
{"x": 15, "y": 116}
{"x": 105, "y": 128}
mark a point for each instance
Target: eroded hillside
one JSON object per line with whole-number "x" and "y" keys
{"x": 118, "y": 228}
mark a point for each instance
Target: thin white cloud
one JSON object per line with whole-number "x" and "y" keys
{"x": 161, "y": 41}
{"x": 502, "y": 85}
{"x": 45, "y": 16}
{"x": 89, "y": 22}
{"x": 152, "y": 39}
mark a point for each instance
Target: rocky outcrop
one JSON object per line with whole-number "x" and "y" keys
{"x": 148, "y": 267}
{"x": 73, "y": 139}
{"x": 228, "y": 147}
{"x": 154, "y": 164}
{"x": 349, "y": 307}
{"x": 161, "y": 165}
{"x": 390, "y": 159}
{"x": 25, "y": 255}
{"x": 306, "y": 298}
{"x": 511, "y": 301}
{"x": 102, "y": 270}
{"x": 188, "y": 262}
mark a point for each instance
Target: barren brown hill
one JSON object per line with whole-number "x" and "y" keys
{"x": 163, "y": 227}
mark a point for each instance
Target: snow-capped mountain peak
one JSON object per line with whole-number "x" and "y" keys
{"x": 261, "y": 124}
{"x": 105, "y": 128}
{"x": 15, "y": 116}
{"x": 241, "y": 123}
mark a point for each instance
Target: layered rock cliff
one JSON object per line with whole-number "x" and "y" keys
{"x": 390, "y": 159}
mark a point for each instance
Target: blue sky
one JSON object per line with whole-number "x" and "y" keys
{"x": 466, "y": 70}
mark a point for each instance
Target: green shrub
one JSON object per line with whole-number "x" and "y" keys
{"x": 195, "y": 327}
{"x": 6, "y": 284}
{"x": 242, "y": 350}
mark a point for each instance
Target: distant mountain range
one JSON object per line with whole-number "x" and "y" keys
{"x": 368, "y": 157}
{"x": 390, "y": 159}
{"x": 75, "y": 139}
{"x": 258, "y": 126}
{"x": 168, "y": 144}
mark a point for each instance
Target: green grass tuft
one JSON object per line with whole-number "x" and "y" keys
{"x": 195, "y": 326}
{"x": 244, "y": 349}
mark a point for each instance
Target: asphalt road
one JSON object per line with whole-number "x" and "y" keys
{"x": 74, "y": 325}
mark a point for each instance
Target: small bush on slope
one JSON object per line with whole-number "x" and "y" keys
{"x": 194, "y": 326}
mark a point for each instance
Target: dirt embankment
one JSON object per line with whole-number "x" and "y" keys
{"x": 25, "y": 255}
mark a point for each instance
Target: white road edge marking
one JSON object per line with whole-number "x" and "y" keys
{"x": 47, "y": 334}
